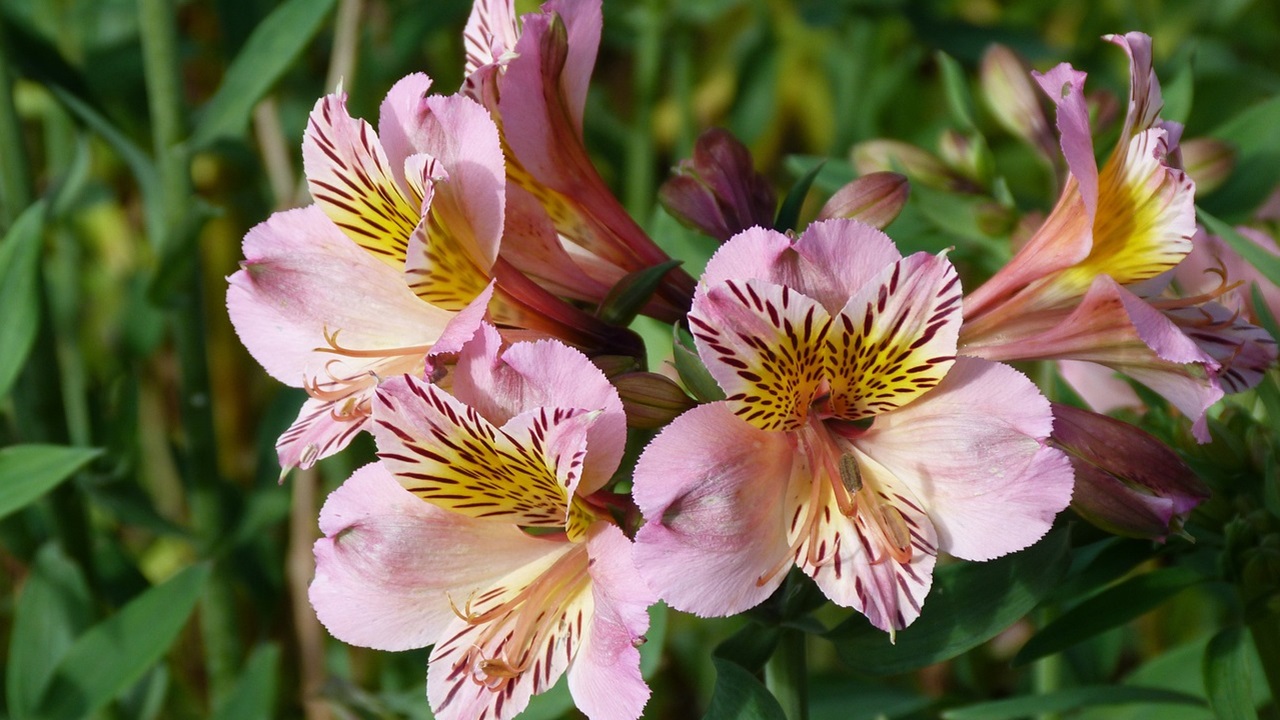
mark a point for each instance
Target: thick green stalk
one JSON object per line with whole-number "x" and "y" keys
{"x": 164, "y": 95}
{"x": 15, "y": 175}
{"x": 786, "y": 674}
{"x": 638, "y": 189}
{"x": 1047, "y": 672}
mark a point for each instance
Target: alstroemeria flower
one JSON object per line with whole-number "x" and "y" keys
{"x": 852, "y": 442}
{"x": 488, "y": 546}
{"x": 564, "y": 227}
{"x": 1073, "y": 291}
{"x": 402, "y": 241}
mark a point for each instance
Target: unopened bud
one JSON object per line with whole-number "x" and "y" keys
{"x": 875, "y": 199}
{"x": 718, "y": 191}
{"x": 1127, "y": 482}
{"x": 967, "y": 155}
{"x": 1013, "y": 100}
{"x": 895, "y": 156}
{"x": 650, "y": 400}
{"x": 1209, "y": 162}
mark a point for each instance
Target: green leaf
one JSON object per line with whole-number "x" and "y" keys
{"x": 969, "y": 604}
{"x": 1227, "y": 677}
{"x": 53, "y": 608}
{"x": 956, "y": 86}
{"x": 655, "y": 639}
{"x": 29, "y": 471}
{"x": 738, "y": 695}
{"x": 1178, "y": 93}
{"x": 1066, "y": 700}
{"x": 267, "y": 54}
{"x": 789, "y": 213}
{"x": 115, "y": 653}
{"x": 19, "y": 292}
{"x": 1265, "y": 262}
{"x": 254, "y": 694}
{"x": 1110, "y": 608}
{"x": 625, "y": 299}
{"x": 693, "y": 373}
{"x": 750, "y": 647}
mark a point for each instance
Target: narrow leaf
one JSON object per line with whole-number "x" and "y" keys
{"x": 625, "y": 299}
{"x": 19, "y": 293}
{"x": 1267, "y": 264}
{"x": 693, "y": 373}
{"x": 1066, "y": 700}
{"x": 29, "y": 471}
{"x": 53, "y": 608}
{"x": 1108, "y": 609}
{"x": 267, "y": 54}
{"x": 738, "y": 695}
{"x": 115, "y": 653}
{"x": 969, "y": 604}
{"x": 956, "y": 86}
{"x": 789, "y": 213}
{"x": 254, "y": 694}
{"x": 1227, "y": 676}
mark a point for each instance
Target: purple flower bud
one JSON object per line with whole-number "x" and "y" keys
{"x": 875, "y": 199}
{"x": 1127, "y": 482}
{"x": 718, "y": 191}
{"x": 651, "y": 400}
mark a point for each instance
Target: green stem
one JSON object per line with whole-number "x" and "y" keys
{"x": 1047, "y": 672}
{"x": 162, "y": 67}
{"x": 15, "y": 175}
{"x": 638, "y": 189}
{"x": 786, "y": 674}
{"x": 1266, "y": 638}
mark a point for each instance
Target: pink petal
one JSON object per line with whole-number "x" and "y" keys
{"x": 533, "y": 246}
{"x": 322, "y": 429}
{"x": 398, "y": 118}
{"x": 490, "y": 33}
{"x": 1065, "y": 87}
{"x": 972, "y": 450}
{"x": 390, "y": 563}
{"x": 352, "y": 180}
{"x": 583, "y": 21}
{"x": 712, "y": 490}
{"x": 605, "y": 675}
{"x": 1144, "y": 89}
{"x": 1245, "y": 351}
{"x": 303, "y": 280}
{"x": 764, "y": 345}
{"x": 896, "y": 337}
{"x": 1099, "y": 386}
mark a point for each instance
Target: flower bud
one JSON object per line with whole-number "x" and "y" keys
{"x": 718, "y": 191}
{"x": 1127, "y": 482}
{"x": 1013, "y": 100}
{"x": 1209, "y": 162}
{"x": 650, "y": 400}
{"x": 895, "y": 156}
{"x": 875, "y": 199}
{"x": 966, "y": 154}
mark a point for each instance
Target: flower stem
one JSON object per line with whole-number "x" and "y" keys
{"x": 786, "y": 674}
{"x": 1047, "y": 672}
{"x": 639, "y": 160}
{"x": 179, "y": 226}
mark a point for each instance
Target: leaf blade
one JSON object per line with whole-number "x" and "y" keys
{"x": 29, "y": 471}
{"x": 19, "y": 293}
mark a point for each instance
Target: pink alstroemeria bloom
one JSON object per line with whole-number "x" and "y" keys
{"x": 852, "y": 442}
{"x": 564, "y": 227}
{"x": 1072, "y": 292}
{"x": 488, "y": 546}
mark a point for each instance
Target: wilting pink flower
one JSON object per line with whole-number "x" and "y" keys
{"x": 1074, "y": 291}
{"x": 718, "y": 191}
{"x": 477, "y": 534}
{"x": 402, "y": 241}
{"x": 1127, "y": 482}
{"x": 564, "y": 227}
{"x": 852, "y": 442}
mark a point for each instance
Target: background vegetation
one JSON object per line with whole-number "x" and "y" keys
{"x": 153, "y": 567}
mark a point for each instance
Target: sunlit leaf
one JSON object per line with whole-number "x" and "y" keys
{"x": 1066, "y": 700}
{"x": 19, "y": 292}
{"x": 969, "y": 604}
{"x": 114, "y": 654}
{"x": 267, "y": 54}
{"x": 29, "y": 471}
{"x": 1108, "y": 609}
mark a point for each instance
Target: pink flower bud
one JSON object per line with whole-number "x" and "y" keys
{"x": 1127, "y": 482}
{"x": 1209, "y": 162}
{"x": 1013, "y": 100}
{"x": 875, "y": 199}
{"x": 718, "y": 191}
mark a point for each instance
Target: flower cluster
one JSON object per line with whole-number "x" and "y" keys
{"x": 439, "y": 292}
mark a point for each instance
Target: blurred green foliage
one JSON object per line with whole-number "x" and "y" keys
{"x": 154, "y": 567}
